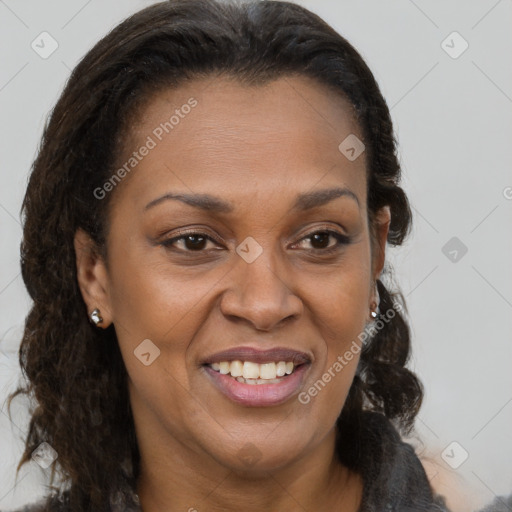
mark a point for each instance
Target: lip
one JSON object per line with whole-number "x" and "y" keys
{"x": 260, "y": 356}
{"x": 258, "y": 395}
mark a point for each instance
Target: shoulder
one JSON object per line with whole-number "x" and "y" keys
{"x": 460, "y": 495}
{"x": 450, "y": 483}
{"x": 500, "y": 504}
{"x": 393, "y": 473}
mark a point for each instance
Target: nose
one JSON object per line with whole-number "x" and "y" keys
{"x": 261, "y": 295}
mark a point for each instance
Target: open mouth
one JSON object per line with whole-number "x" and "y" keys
{"x": 248, "y": 372}
{"x": 258, "y": 378}
{"x": 257, "y": 385}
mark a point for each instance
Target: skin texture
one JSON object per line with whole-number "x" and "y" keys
{"x": 257, "y": 148}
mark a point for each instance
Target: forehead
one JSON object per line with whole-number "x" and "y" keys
{"x": 216, "y": 135}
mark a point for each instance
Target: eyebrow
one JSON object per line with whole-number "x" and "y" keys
{"x": 303, "y": 202}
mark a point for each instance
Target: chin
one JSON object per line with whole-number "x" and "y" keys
{"x": 264, "y": 455}
{"x": 252, "y": 461}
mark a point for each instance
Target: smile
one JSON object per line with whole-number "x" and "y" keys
{"x": 257, "y": 392}
{"x": 249, "y": 372}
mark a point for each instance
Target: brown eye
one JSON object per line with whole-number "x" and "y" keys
{"x": 320, "y": 240}
{"x": 195, "y": 242}
{"x": 191, "y": 242}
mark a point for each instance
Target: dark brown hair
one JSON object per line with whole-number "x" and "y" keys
{"x": 75, "y": 371}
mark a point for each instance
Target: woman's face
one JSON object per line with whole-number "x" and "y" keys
{"x": 241, "y": 228}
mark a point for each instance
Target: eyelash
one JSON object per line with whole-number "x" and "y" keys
{"x": 342, "y": 240}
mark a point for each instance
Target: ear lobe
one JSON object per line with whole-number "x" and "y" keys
{"x": 382, "y": 223}
{"x": 92, "y": 276}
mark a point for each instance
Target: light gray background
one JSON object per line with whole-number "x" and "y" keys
{"x": 454, "y": 125}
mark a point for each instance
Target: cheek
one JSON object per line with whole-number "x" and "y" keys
{"x": 152, "y": 300}
{"x": 149, "y": 302}
{"x": 151, "y": 296}
{"x": 341, "y": 301}
{"x": 340, "y": 309}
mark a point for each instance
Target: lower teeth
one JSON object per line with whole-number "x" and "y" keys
{"x": 257, "y": 381}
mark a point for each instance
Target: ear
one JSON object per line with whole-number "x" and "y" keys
{"x": 92, "y": 277}
{"x": 382, "y": 222}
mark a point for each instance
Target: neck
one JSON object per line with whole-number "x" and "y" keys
{"x": 174, "y": 478}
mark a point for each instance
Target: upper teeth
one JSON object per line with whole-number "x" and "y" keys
{"x": 250, "y": 370}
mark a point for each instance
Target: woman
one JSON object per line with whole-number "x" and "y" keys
{"x": 204, "y": 239}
